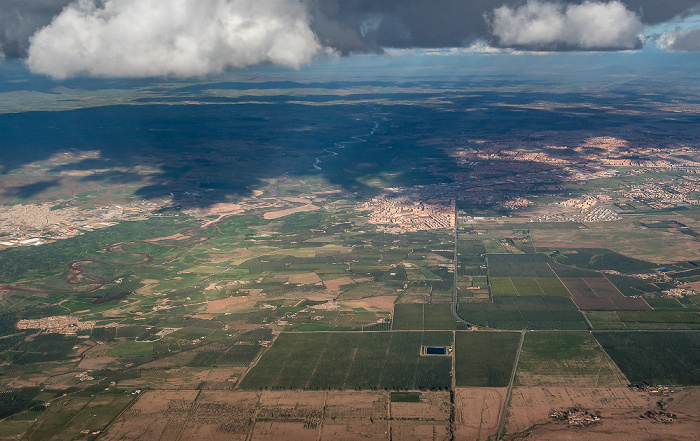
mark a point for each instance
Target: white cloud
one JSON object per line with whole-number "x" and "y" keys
{"x": 588, "y": 26}
{"x": 134, "y": 38}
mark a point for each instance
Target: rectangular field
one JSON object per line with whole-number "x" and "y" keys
{"x": 600, "y": 294}
{"x": 424, "y": 316}
{"x": 528, "y": 286}
{"x": 566, "y": 359}
{"x": 519, "y": 265}
{"x": 485, "y": 359}
{"x": 502, "y": 286}
{"x": 669, "y": 358}
{"x": 408, "y": 316}
{"x": 331, "y": 360}
{"x": 534, "y": 312}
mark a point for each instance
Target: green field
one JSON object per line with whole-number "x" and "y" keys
{"x": 425, "y": 316}
{"x": 644, "y": 320}
{"x": 485, "y": 359}
{"x": 553, "y": 287}
{"x": 566, "y": 359}
{"x": 69, "y": 416}
{"x": 408, "y": 316}
{"x": 669, "y": 358}
{"x": 534, "y": 312}
{"x": 527, "y": 286}
{"x": 519, "y": 265}
{"x": 502, "y": 286}
{"x": 376, "y": 360}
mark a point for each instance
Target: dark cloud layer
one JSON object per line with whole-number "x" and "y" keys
{"x": 320, "y": 26}
{"x": 686, "y": 40}
{"x": 436, "y": 23}
{"x": 20, "y": 19}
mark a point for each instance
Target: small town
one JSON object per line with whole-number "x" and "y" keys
{"x": 401, "y": 214}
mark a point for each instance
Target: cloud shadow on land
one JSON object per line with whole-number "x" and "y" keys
{"x": 203, "y": 154}
{"x": 33, "y": 189}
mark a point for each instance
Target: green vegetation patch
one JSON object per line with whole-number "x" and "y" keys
{"x": 405, "y": 397}
{"x": 527, "y": 286}
{"x": 632, "y": 286}
{"x": 566, "y": 359}
{"x": 602, "y": 259}
{"x": 660, "y": 319}
{"x": 239, "y": 355}
{"x": 23, "y": 263}
{"x": 408, "y": 316}
{"x": 664, "y": 304}
{"x": 534, "y": 312}
{"x": 502, "y": 286}
{"x": 425, "y": 316}
{"x": 376, "y": 360}
{"x": 438, "y": 316}
{"x": 72, "y": 417}
{"x": 204, "y": 359}
{"x": 485, "y": 359}
{"x": 519, "y": 265}
{"x": 553, "y": 287}
{"x": 655, "y": 357}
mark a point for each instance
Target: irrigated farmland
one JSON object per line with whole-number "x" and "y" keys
{"x": 351, "y": 361}
{"x": 655, "y": 357}
{"x": 566, "y": 359}
{"x": 533, "y": 312}
{"x": 477, "y": 361}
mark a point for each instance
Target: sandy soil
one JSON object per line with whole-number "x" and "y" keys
{"x": 304, "y": 279}
{"x": 382, "y": 303}
{"x": 334, "y": 285}
{"x": 351, "y": 430}
{"x": 223, "y": 208}
{"x": 292, "y": 399}
{"x": 281, "y": 213}
{"x": 285, "y": 431}
{"x": 169, "y": 415}
{"x": 694, "y": 286}
{"x": 419, "y": 430}
{"x": 97, "y": 362}
{"x": 321, "y": 297}
{"x": 620, "y": 410}
{"x": 477, "y": 412}
{"x": 224, "y": 305}
{"x": 433, "y": 406}
{"x": 224, "y": 257}
{"x": 568, "y": 245}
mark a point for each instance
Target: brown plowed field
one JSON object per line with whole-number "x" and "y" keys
{"x": 592, "y": 294}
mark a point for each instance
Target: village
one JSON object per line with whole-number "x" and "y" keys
{"x": 403, "y": 213}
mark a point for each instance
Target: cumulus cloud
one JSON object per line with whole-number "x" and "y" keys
{"x": 681, "y": 39}
{"x": 552, "y": 26}
{"x": 134, "y": 38}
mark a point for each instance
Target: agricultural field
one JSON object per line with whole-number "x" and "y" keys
{"x": 566, "y": 359}
{"x": 478, "y": 365}
{"x": 360, "y": 361}
{"x": 519, "y": 265}
{"x": 644, "y": 320}
{"x": 529, "y": 312}
{"x": 528, "y": 286}
{"x": 425, "y": 316}
{"x": 277, "y": 267}
{"x": 668, "y": 358}
{"x": 619, "y": 409}
{"x": 601, "y": 294}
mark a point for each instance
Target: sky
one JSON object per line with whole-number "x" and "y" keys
{"x": 195, "y": 38}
